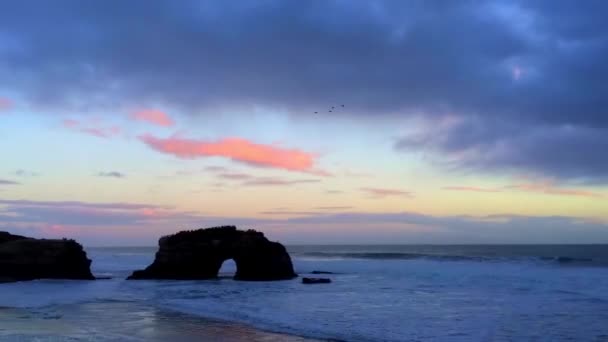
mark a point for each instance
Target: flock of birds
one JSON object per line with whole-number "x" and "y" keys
{"x": 330, "y": 110}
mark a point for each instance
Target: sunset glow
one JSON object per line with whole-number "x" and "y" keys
{"x": 353, "y": 128}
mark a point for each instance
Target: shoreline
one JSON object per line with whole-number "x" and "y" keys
{"x": 126, "y": 321}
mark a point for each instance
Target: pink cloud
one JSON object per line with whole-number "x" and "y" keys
{"x": 153, "y": 116}
{"x": 5, "y": 104}
{"x": 94, "y": 128}
{"x": 470, "y": 188}
{"x": 381, "y": 193}
{"x": 237, "y": 149}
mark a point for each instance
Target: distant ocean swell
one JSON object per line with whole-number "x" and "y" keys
{"x": 562, "y": 260}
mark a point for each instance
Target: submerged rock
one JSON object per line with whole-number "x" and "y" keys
{"x": 316, "y": 280}
{"x": 199, "y": 254}
{"x": 321, "y": 272}
{"x": 23, "y": 258}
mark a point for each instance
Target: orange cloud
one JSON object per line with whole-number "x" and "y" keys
{"x": 470, "y": 188}
{"x": 5, "y": 104}
{"x": 237, "y": 149}
{"x": 153, "y": 116}
{"x": 98, "y": 131}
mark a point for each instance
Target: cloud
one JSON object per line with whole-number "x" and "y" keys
{"x": 507, "y": 147}
{"x": 274, "y": 181}
{"x": 528, "y": 78}
{"x": 246, "y": 179}
{"x": 112, "y": 174}
{"x": 382, "y": 193}
{"x": 92, "y": 128}
{"x": 153, "y": 116}
{"x": 334, "y": 208}
{"x": 5, "y": 104}
{"x": 85, "y": 213}
{"x": 464, "y": 229}
{"x": 237, "y": 149}
{"x": 79, "y": 204}
{"x": 534, "y": 185}
{"x": 288, "y": 213}
{"x": 216, "y": 169}
{"x": 470, "y": 188}
{"x": 139, "y": 223}
{"x": 234, "y": 176}
{"x": 547, "y": 186}
{"x": 8, "y": 182}
{"x": 25, "y": 173}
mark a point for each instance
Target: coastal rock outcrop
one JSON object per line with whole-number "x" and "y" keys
{"x": 316, "y": 280}
{"x": 199, "y": 254}
{"x": 23, "y": 258}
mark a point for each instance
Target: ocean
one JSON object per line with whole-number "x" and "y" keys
{"x": 378, "y": 293}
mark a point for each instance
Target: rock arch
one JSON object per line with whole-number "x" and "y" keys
{"x": 199, "y": 254}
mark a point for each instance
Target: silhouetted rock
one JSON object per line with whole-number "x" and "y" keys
{"x": 23, "y": 258}
{"x": 316, "y": 280}
{"x": 199, "y": 254}
{"x": 321, "y": 272}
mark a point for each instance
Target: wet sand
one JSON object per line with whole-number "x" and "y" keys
{"x": 122, "y": 321}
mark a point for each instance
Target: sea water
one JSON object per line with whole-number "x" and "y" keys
{"x": 378, "y": 293}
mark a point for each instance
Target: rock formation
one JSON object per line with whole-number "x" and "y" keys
{"x": 23, "y": 258}
{"x": 316, "y": 280}
{"x": 199, "y": 254}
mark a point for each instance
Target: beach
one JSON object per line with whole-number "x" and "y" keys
{"x": 122, "y": 321}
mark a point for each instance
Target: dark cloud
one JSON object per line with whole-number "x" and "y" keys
{"x": 8, "y": 182}
{"x": 112, "y": 174}
{"x": 564, "y": 152}
{"x": 527, "y": 77}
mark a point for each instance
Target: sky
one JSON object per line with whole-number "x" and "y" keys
{"x": 316, "y": 122}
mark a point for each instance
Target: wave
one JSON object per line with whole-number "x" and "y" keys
{"x": 560, "y": 260}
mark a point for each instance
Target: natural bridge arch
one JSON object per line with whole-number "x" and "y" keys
{"x": 199, "y": 254}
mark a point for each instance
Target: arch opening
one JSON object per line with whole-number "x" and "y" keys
{"x": 227, "y": 269}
